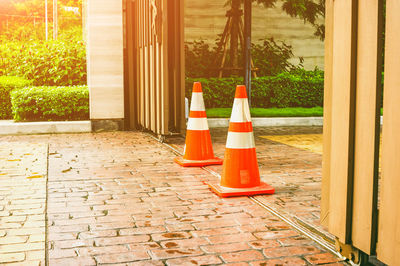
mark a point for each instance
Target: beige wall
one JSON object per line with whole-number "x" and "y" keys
{"x": 206, "y": 19}
{"x": 203, "y": 20}
{"x": 105, "y": 59}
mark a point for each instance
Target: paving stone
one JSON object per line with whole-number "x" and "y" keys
{"x": 277, "y": 252}
{"x": 8, "y": 248}
{"x": 122, "y": 257}
{"x": 108, "y": 241}
{"x": 175, "y": 253}
{"x": 230, "y": 238}
{"x": 170, "y": 236}
{"x": 146, "y": 263}
{"x": 12, "y": 257}
{"x": 284, "y": 261}
{"x": 322, "y": 258}
{"x": 184, "y": 243}
{"x": 221, "y": 248}
{"x": 242, "y": 256}
{"x": 201, "y": 260}
{"x": 87, "y": 261}
{"x": 13, "y": 240}
{"x": 62, "y": 253}
{"x": 260, "y": 244}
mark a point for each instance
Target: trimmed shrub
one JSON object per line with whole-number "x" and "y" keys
{"x": 298, "y": 88}
{"x": 7, "y": 84}
{"x": 50, "y": 103}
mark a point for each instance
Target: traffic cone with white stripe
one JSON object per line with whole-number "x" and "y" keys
{"x": 240, "y": 174}
{"x": 198, "y": 147}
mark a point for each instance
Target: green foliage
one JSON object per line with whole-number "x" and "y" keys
{"x": 50, "y": 103}
{"x": 199, "y": 60}
{"x": 269, "y": 57}
{"x": 23, "y": 20}
{"x": 298, "y": 88}
{"x": 269, "y": 112}
{"x": 7, "y": 84}
{"x": 310, "y": 11}
{"x": 272, "y": 58}
{"x": 52, "y": 63}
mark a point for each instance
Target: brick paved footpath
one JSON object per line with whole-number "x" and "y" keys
{"x": 23, "y": 169}
{"x": 117, "y": 198}
{"x": 295, "y": 173}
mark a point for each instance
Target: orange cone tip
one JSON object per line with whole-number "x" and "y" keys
{"x": 198, "y": 147}
{"x": 240, "y": 174}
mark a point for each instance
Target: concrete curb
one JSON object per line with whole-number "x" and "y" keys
{"x": 271, "y": 121}
{"x": 9, "y": 127}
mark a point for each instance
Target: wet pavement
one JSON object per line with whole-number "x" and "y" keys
{"x": 290, "y": 159}
{"x": 118, "y": 198}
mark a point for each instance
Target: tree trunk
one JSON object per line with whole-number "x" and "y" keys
{"x": 234, "y": 56}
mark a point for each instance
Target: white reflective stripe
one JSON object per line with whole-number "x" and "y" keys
{"x": 240, "y": 110}
{"x": 197, "y": 103}
{"x": 240, "y": 140}
{"x": 197, "y": 123}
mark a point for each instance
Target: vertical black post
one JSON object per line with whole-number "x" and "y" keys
{"x": 247, "y": 47}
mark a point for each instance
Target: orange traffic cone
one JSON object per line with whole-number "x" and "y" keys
{"x": 240, "y": 175}
{"x": 198, "y": 148}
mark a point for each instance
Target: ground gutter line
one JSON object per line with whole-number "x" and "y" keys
{"x": 46, "y": 218}
{"x": 302, "y": 229}
{"x": 299, "y": 228}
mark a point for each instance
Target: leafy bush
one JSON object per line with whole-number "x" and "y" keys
{"x": 200, "y": 60}
{"x": 52, "y": 63}
{"x": 270, "y": 58}
{"x": 298, "y": 88}
{"x": 7, "y": 84}
{"x": 50, "y": 103}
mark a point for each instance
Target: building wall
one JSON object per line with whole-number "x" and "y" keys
{"x": 206, "y": 19}
{"x": 105, "y": 58}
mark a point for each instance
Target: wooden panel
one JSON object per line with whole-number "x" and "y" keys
{"x": 158, "y": 85}
{"x": 164, "y": 69}
{"x": 181, "y": 74}
{"x": 153, "y": 95}
{"x": 326, "y": 156}
{"x": 367, "y": 126}
{"x": 131, "y": 91}
{"x": 343, "y": 87}
{"x": 152, "y": 75}
{"x": 389, "y": 213}
{"x": 105, "y": 59}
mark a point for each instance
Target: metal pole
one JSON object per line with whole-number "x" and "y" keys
{"x": 47, "y": 25}
{"x": 247, "y": 48}
{"x": 55, "y": 19}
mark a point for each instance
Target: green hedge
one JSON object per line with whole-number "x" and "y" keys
{"x": 51, "y": 63}
{"x": 7, "y": 84}
{"x": 299, "y": 88}
{"x": 50, "y": 103}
